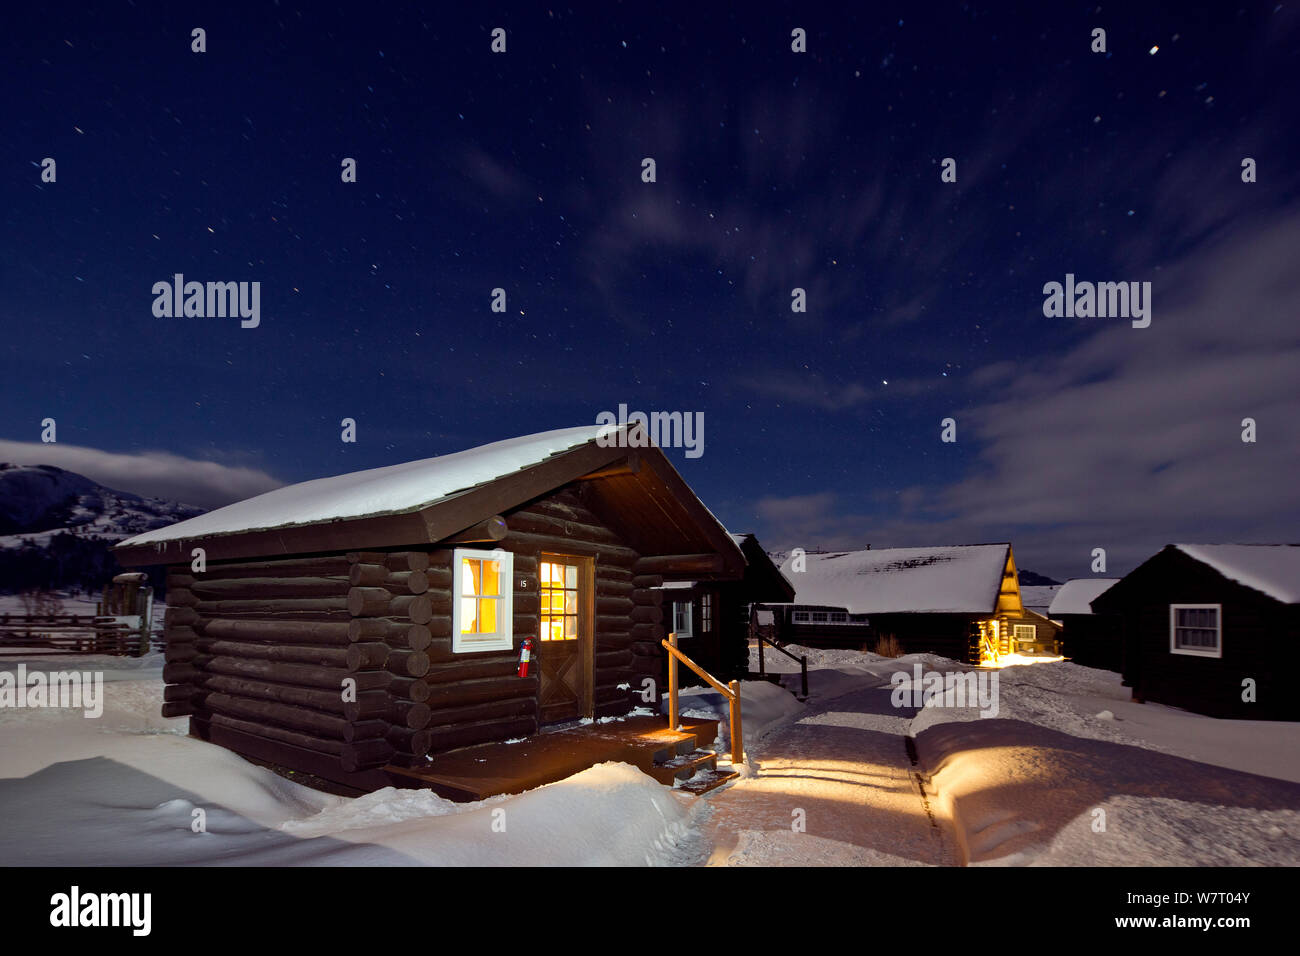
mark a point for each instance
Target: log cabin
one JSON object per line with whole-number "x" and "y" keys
{"x": 343, "y": 625}
{"x": 961, "y": 602}
{"x": 1092, "y": 640}
{"x": 712, "y": 619}
{"x": 1211, "y": 628}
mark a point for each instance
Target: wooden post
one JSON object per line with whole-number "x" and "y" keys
{"x": 672, "y": 683}
{"x": 737, "y": 739}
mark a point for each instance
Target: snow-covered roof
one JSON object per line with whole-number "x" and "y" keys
{"x": 389, "y": 490}
{"x": 1077, "y": 594}
{"x": 1273, "y": 569}
{"x": 1038, "y": 597}
{"x": 956, "y": 580}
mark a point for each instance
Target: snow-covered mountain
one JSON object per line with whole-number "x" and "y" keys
{"x": 56, "y": 528}
{"x": 39, "y": 501}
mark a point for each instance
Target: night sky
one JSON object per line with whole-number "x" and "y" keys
{"x": 775, "y": 170}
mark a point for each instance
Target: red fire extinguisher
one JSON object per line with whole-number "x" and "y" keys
{"x": 525, "y": 655}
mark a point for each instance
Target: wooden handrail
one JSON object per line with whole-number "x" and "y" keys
{"x": 731, "y": 692}
{"x": 801, "y": 661}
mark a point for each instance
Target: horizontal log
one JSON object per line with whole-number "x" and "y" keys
{"x": 278, "y": 632}
{"x": 409, "y": 688}
{"x": 320, "y": 655}
{"x": 180, "y": 674}
{"x": 411, "y": 714}
{"x": 366, "y": 656}
{"x": 408, "y": 560}
{"x": 179, "y": 653}
{"x": 273, "y": 588}
{"x": 180, "y": 635}
{"x": 467, "y": 692}
{"x": 178, "y": 692}
{"x": 397, "y": 632}
{"x": 607, "y": 641}
{"x": 303, "y": 675}
{"x": 616, "y": 555}
{"x": 562, "y": 530}
{"x": 177, "y": 708}
{"x": 366, "y": 730}
{"x": 642, "y": 614}
{"x": 407, "y": 663}
{"x": 488, "y": 530}
{"x": 645, "y": 649}
{"x": 269, "y": 607}
{"x": 459, "y": 668}
{"x": 177, "y": 579}
{"x": 710, "y": 563}
{"x": 284, "y": 567}
{"x": 282, "y": 715}
{"x": 369, "y": 705}
{"x": 368, "y": 602}
{"x": 613, "y": 660}
{"x": 181, "y": 597}
{"x": 295, "y": 738}
{"x": 651, "y": 633}
{"x": 365, "y": 755}
{"x": 647, "y": 581}
{"x": 366, "y": 557}
{"x": 619, "y": 589}
{"x": 649, "y": 597}
{"x": 396, "y": 582}
{"x": 327, "y": 701}
{"x": 179, "y": 617}
{"x": 466, "y": 735}
{"x": 473, "y": 713}
{"x": 405, "y": 740}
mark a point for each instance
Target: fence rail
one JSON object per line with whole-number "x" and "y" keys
{"x": 71, "y": 634}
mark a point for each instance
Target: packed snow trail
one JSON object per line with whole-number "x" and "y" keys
{"x": 835, "y": 788}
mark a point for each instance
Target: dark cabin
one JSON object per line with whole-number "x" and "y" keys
{"x": 1092, "y": 640}
{"x": 961, "y": 602}
{"x": 712, "y": 618}
{"x": 1200, "y": 621}
{"x": 413, "y": 587}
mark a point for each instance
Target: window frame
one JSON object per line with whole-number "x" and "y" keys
{"x": 1218, "y": 630}
{"x": 1033, "y": 633}
{"x": 690, "y": 618}
{"x": 503, "y": 639}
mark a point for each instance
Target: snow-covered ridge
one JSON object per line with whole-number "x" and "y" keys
{"x": 1077, "y": 594}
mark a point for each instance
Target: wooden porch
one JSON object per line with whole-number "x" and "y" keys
{"x": 486, "y": 770}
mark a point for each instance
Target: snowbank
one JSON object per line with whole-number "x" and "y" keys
{"x": 131, "y": 789}
{"x": 763, "y": 706}
{"x": 1063, "y": 777}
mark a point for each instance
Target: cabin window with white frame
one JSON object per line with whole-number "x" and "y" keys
{"x": 482, "y": 614}
{"x": 1196, "y": 629}
{"x": 1025, "y": 632}
{"x": 682, "y": 618}
{"x": 801, "y": 617}
{"x": 839, "y": 617}
{"x": 706, "y": 612}
{"x": 819, "y": 617}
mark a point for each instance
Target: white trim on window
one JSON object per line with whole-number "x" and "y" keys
{"x": 1018, "y": 632}
{"x": 682, "y": 618}
{"x": 1196, "y": 626}
{"x": 466, "y": 603}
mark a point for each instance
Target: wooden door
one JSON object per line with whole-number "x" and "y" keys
{"x": 565, "y": 639}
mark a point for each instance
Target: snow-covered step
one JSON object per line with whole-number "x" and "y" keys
{"x": 707, "y": 780}
{"x": 684, "y": 766}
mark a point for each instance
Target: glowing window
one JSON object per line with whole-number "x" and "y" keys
{"x": 1025, "y": 632}
{"x": 482, "y": 614}
{"x": 559, "y": 596}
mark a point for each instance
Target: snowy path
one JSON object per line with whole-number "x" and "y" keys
{"x": 843, "y": 770}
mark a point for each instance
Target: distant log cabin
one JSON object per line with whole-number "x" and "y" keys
{"x": 1092, "y": 640}
{"x": 347, "y": 624}
{"x": 960, "y": 602}
{"x": 712, "y": 618}
{"x": 1211, "y": 628}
